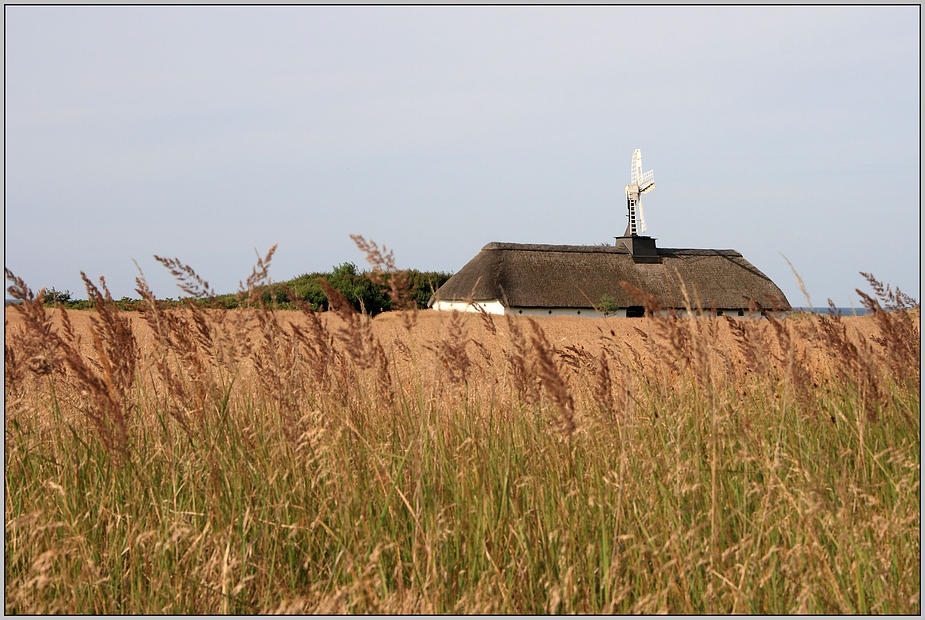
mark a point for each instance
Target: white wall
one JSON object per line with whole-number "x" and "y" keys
{"x": 591, "y": 312}
{"x": 707, "y": 312}
{"x": 494, "y": 306}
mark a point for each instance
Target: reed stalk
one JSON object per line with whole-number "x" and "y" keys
{"x": 197, "y": 461}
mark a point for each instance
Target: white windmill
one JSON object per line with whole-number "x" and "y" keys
{"x": 640, "y": 183}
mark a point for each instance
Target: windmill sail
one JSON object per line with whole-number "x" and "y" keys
{"x": 640, "y": 219}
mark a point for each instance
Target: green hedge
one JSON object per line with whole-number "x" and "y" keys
{"x": 357, "y": 286}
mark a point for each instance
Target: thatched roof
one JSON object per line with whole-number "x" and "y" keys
{"x": 577, "y": 276}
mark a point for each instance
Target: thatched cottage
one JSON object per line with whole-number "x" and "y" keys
{"x": 579, "y": 280}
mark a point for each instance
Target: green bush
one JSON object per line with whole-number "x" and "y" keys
{"x": 52, "y": 296}
{"x": 607, "y": 305}
{"x": 359, "y": 289}
{"x": 355, "y": 285}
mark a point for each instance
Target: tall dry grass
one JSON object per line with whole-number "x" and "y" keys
{"x": 241, "y": 461}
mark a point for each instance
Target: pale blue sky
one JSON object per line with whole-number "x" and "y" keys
{"x": 203, "y": 133}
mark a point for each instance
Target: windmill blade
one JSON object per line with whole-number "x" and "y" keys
{"x": 636, "y": 171}
{"x": 640, "y": 219}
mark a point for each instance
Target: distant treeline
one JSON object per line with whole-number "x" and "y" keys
{"x": 357, "y": 286}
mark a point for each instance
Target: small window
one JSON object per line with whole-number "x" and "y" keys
{"x": 579, "y": 312}
{"x": 635, "y": 312}
{"x": 719, "y": 313}
{"x": 520, "y": 312}
{"x": 741, "y": 313}
{"x": 550, "y": 312}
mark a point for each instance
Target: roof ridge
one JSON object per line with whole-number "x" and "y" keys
{"x": 608, "y": 249}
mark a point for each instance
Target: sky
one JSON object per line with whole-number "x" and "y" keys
{"x": 211, "y": 133}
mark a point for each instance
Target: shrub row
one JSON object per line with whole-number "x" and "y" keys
{"x": 358, "y": 287}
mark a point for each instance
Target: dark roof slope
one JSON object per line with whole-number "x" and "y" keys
{"x": 575, "y": 276}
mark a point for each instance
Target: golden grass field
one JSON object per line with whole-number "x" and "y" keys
{"x": 589, "y": 335}
{"x": 259, "y": 460}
